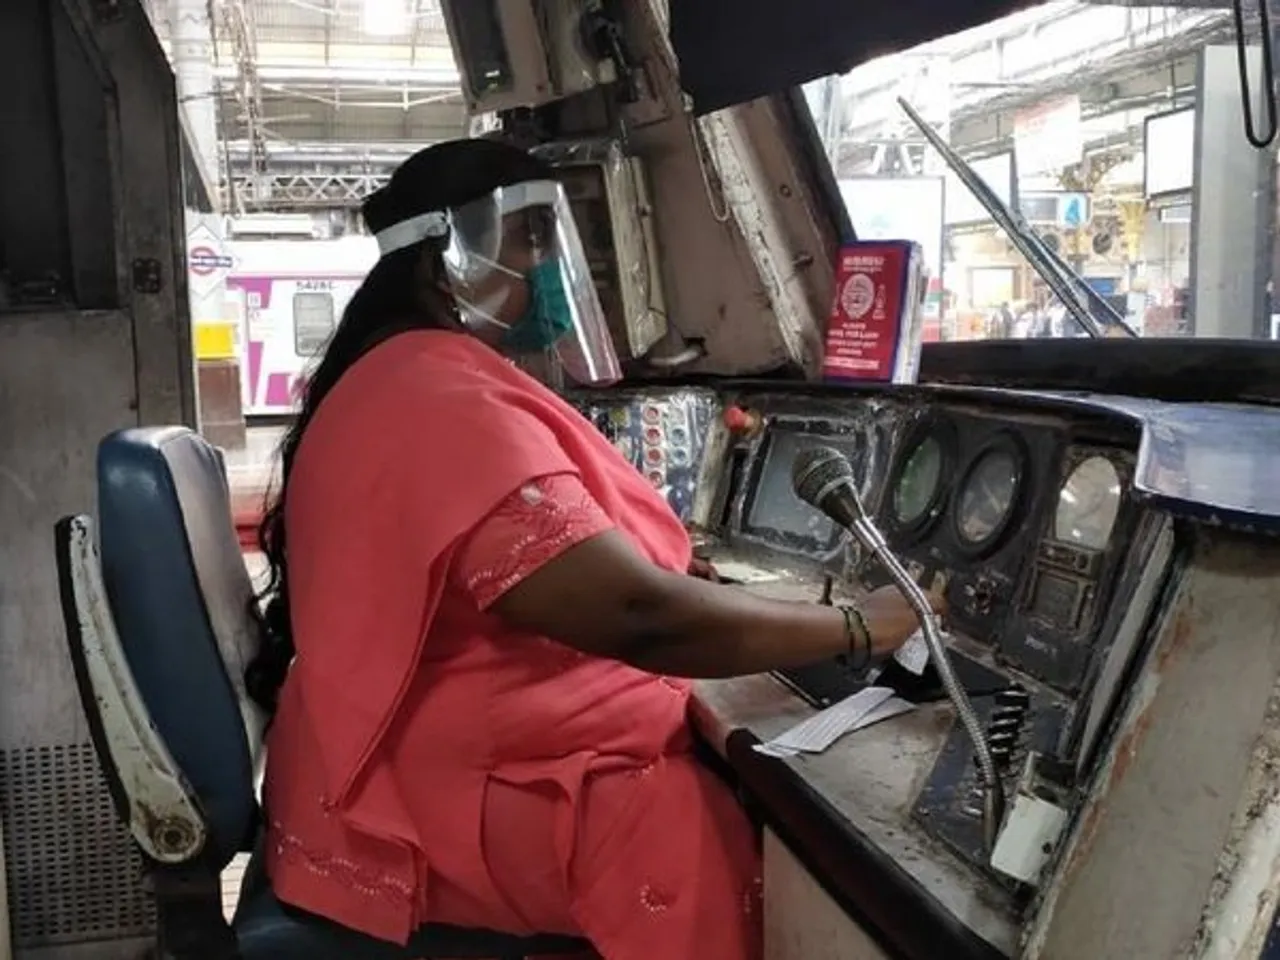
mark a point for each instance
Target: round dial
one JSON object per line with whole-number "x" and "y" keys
{"x": 918, "y": 483}
{"x": 1088, "y": 504}
{"x": 988, "y": 496}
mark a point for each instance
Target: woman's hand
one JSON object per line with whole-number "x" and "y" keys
{"x": 891, "y": 619}
{"x": 703, "y": 570}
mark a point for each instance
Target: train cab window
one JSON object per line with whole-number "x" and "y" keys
{"x": 313, "y": 322}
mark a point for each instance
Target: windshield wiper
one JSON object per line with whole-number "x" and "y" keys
{"x": 1086, "y": 305}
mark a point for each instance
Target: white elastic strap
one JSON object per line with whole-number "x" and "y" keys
{"x": 483, "y": 314}
{"x": 529, "y": 193}
{"x": 434, "y": 223}
{"x": 414, "y": 230}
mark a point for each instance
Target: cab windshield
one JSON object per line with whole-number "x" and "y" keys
{"x": 1128, "y": 155}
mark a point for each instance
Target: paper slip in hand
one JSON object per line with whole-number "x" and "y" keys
{"x": 820, "y": 731}
{"x": 914, "y": 654}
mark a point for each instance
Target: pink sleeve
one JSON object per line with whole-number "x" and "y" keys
{"x": 531, "y": 527}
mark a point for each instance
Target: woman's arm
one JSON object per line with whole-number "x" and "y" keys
{"x": 603, "y": 598}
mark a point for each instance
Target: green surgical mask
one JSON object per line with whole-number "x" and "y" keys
{"x": 548, "y": 318}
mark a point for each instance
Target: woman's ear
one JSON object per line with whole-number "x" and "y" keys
{"x": 434, "y": 291}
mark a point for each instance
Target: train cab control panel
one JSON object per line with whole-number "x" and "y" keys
{"x": 664, "y": 434}
{"x": 1022, "y": 514}
{"x": 1021, "y": 520}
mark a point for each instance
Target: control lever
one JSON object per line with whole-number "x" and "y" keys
{"x": 1014, "y": 698}
{"x": 1005, "y": 726}
{"x": 823, "y": 478}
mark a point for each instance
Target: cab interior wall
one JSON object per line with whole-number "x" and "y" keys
{"x": 94, "y": 336}
{"x": 56, "y": 161}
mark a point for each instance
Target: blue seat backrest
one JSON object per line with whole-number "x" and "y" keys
{"x": 180, "y": 594}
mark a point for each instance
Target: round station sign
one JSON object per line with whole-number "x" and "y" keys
{"x": 204, "y": 261}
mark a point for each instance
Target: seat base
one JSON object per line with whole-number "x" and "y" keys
{"x": 269, "y": 930}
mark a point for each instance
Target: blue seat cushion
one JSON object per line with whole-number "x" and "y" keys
{"x": 268, "y": 930}
{"x": 163, "y": 509}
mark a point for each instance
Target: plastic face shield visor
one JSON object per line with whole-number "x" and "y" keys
{"x": 520, "y": 278}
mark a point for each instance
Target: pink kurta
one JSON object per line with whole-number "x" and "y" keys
{"x": 427, "y": 763}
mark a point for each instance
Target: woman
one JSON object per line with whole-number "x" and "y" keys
{"x": 487, "y": 605}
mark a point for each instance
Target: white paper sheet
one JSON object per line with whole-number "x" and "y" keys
{"x": 816, "y": 734}
{"x": 914, "y": 654}
{"x": 744, "y": 572}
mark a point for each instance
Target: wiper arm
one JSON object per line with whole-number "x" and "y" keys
{"x": 1086, "y": 305}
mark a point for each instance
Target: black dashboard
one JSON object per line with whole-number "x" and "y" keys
{"x": 1023, "y": 518}
{"x": 1023, "y": 515}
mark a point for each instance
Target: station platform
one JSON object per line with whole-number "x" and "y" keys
{"x": 251, "y": 472}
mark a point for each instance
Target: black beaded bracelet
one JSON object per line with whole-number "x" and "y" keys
{"x": 866, "y": 636}
{"x": 856, "y": 633}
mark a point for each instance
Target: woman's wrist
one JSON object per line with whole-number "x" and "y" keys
{"x": 857, "y": 636}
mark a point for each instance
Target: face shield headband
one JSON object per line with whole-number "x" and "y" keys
{"x": 515, "y": 262}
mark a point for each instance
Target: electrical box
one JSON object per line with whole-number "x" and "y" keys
{"x": 610, "y": 198}
{"x": 524, "y": 53}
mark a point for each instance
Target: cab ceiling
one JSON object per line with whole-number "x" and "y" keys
{"x": 731, "y": 53}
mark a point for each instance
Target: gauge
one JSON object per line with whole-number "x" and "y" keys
{"x": 918, "y": 483}
{"x": 988, "y": 495}
{"x": 1088, "y": 504}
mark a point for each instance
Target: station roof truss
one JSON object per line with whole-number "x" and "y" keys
{"x": 318, "y": 100}
{"x": 1115, "y": 57}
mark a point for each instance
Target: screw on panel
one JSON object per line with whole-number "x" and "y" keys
{"x": 172, "y": 836}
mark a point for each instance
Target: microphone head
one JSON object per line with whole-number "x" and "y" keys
{"x": 817, "y": 472}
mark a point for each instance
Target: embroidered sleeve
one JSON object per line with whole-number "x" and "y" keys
{"x": 531, "y": 527}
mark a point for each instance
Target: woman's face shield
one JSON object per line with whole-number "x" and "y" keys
{"x": 520, "y": 277}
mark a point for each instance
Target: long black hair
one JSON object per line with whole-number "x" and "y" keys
{"x": 406, "y": 290}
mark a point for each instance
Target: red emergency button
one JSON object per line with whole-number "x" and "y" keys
{"x": 741, "y": 421}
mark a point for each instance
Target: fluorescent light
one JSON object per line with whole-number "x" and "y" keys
{"x": 441, "y": 78}
{"x": 385, "y": 18}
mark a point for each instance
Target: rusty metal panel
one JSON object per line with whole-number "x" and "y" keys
{"x": 731, "y": 194}
{"x": 1140, "y": 863}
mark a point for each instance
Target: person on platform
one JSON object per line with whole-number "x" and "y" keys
{"x": 480, "y": 624}
{"x": 1003, "y": 323}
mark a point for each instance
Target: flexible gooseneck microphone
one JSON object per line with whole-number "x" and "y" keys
{"x": 823, "y": 478}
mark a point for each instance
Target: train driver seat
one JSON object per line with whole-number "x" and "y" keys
{"x": 159, "y": 634}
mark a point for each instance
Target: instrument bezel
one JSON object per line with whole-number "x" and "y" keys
{"x": 943, "y": 430}
{"x": 1003, "y": 441}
